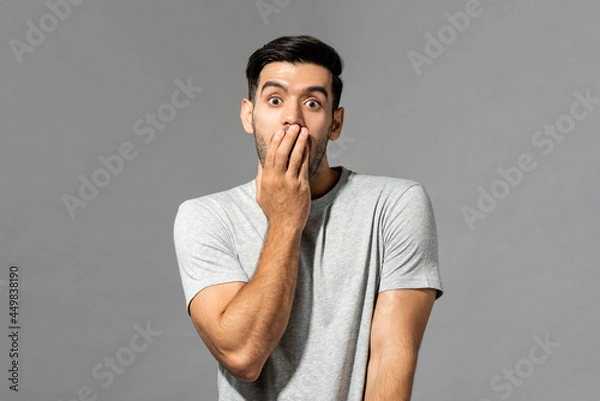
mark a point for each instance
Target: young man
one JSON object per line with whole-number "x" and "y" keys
{"x": 309, "y": 282}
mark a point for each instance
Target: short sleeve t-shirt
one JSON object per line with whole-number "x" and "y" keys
{"x": 368, "y": 234}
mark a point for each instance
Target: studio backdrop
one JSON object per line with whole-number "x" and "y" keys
{"x": 113, "y": 113}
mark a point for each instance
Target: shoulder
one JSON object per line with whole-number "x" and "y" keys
{"x": 195, "y": 207}
{"x": 388, "y": 188}
{"x": 215, "y": 203}
{"x": 209, "y": 211}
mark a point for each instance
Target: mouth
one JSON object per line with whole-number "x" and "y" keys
{"x": 293, "y": 147}
{"x": 307, "y": 144}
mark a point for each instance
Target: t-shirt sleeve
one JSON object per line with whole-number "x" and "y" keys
{"x": 204, "y": 249}
{"x": 410, "y": 256}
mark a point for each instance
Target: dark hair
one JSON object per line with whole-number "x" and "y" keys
{"x": 295, "y": 50}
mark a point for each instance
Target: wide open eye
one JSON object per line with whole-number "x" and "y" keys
{"x": 313, "y": 104}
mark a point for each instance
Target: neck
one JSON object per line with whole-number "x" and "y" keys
{"x": 323, "y": 182}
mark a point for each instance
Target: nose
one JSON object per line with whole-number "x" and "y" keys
{"x": 293, "y": 115}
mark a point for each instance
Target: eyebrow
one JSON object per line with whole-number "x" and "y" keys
{"x": 310, "y": 89}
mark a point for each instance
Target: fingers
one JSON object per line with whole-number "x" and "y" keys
{"x": 285, "y": 146}
{"x": 305, "y": 162}
{"x": 298, "y": 155}
{"x": 272, "y": 148}
{"x": 286, "y": 152}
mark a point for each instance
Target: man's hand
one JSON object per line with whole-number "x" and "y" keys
{"x": 282, "y": 186}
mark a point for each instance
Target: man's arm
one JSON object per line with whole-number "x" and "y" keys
{"x": 241, "y": 324}
{"x": 397, "y": 329}
{"x": 242, "y": 328}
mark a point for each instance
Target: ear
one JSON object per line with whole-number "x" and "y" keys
{"x": 246, "y": 115}
{"x": 337, "y": 123}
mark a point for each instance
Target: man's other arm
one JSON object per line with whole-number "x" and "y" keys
{"x": 397, "y": 329}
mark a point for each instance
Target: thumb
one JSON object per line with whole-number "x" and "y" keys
{"x": 258, "y": 179}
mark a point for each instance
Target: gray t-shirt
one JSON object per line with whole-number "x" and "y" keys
{"x": 366, "y": 235}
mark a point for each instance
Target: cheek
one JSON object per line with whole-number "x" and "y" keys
{"x": 319, "y": 126}
{"x": 265, "y": 114}
{"x": 266, "y": 127}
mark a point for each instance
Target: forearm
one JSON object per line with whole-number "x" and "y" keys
{"x": 390, "y": 377}
{"x": 257, "y": 317}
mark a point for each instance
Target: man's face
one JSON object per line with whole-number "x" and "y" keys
{"x": 289, "y": 94}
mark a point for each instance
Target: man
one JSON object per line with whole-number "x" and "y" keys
{"x": 308, "y": 282}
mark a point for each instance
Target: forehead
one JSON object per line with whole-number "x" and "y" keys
{"x": 296, "y": 76}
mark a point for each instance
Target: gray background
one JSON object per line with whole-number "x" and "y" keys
{"x": 528, "y": 269}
